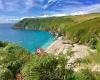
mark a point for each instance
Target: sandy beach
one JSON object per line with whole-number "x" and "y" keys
{"x": 62, "y": 46}
{"x": 56, "y": 47}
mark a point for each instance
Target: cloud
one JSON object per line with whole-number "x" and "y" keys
{"x": 61, "y": 3}
{"x": 87, "y": 9}
{"x": 19, "y": 6}
{"x": 48, "y": 4}
{"x": 9, "y": 19}
{"x": 8, "y": 6}
{"x": 74, "y": 2}
{"x": 51, "y": 15}
{"x": 78, "y": 13}
{"x": 11, "y": 6}
{"x": 59, "y": 14}
{"x": 1, "y": 6}
{"x": 29, "y": 3}
{"x": 44, "y": 16}
{"x": 51, "y": 1}
{"x": 94, "y": 8}
{"x": 47, "y": 7}
{"x": 70, "y": 10}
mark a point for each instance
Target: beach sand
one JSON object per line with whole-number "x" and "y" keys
{"x": 62, "y": 46}
{"x": 56, "y": 47}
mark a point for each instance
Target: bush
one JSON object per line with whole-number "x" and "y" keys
{"x": 47, "y": 68}
{"x": 12, "y": 48}
{"x": 3, "y": 44}
{"x": 5, "y": 74}
{"x": 84, "y": 74}
{"x": 13, "y": 57}
{"x": 98, "y": 46}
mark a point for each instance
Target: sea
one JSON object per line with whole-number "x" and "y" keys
{"x": 28, "y": 39}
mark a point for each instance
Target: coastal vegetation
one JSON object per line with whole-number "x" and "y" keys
{"x": 33, "y": 67}
{"x": 82, "y": 29}
{"x": 12, "y": 58}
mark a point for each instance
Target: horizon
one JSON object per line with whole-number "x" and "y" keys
{"x": 18, "y": 9}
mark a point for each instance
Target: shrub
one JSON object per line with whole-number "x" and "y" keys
{"x": 12, "y": 48}
{"x": 3, "y": 44}
{"x": 5, "y": 74}
{"x": 84, "y": 74}
{"x": 47, "y": 67}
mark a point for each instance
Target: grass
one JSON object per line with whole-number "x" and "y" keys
{"x": 94, "y": 58}
{"x": 81, "y": 18}
{"x": 86, "y": 32}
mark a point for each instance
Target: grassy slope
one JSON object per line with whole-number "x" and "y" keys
{"x": 81, "y": 29}
{"x": 85, "y": 32}
{"x": 52, "y": 22}
{"x": 85, "y": 17}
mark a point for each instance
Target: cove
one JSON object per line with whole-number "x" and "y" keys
{"x": 28, "y": 39}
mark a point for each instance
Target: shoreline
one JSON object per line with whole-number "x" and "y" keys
{"x": 61, "y": 46}
{"x": 56, "y": 47}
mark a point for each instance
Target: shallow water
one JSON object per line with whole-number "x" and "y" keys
{"x": 29, "y": 39}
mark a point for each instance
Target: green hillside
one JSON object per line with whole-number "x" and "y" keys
{"x": 53, "y": 23}
{"x": 50, "y": 23}
{"x": 85, "y": 32}
{"x": 81, "y": 29}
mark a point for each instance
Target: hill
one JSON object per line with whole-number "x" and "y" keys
{"x": 80, "y": 28}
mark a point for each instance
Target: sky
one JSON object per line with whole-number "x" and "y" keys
{"x": 16, "y": 9}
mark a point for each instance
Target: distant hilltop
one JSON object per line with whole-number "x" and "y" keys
{"x": 53, "y": 23}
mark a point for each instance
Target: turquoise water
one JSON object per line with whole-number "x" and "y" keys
{"x": 29, "y": 39}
